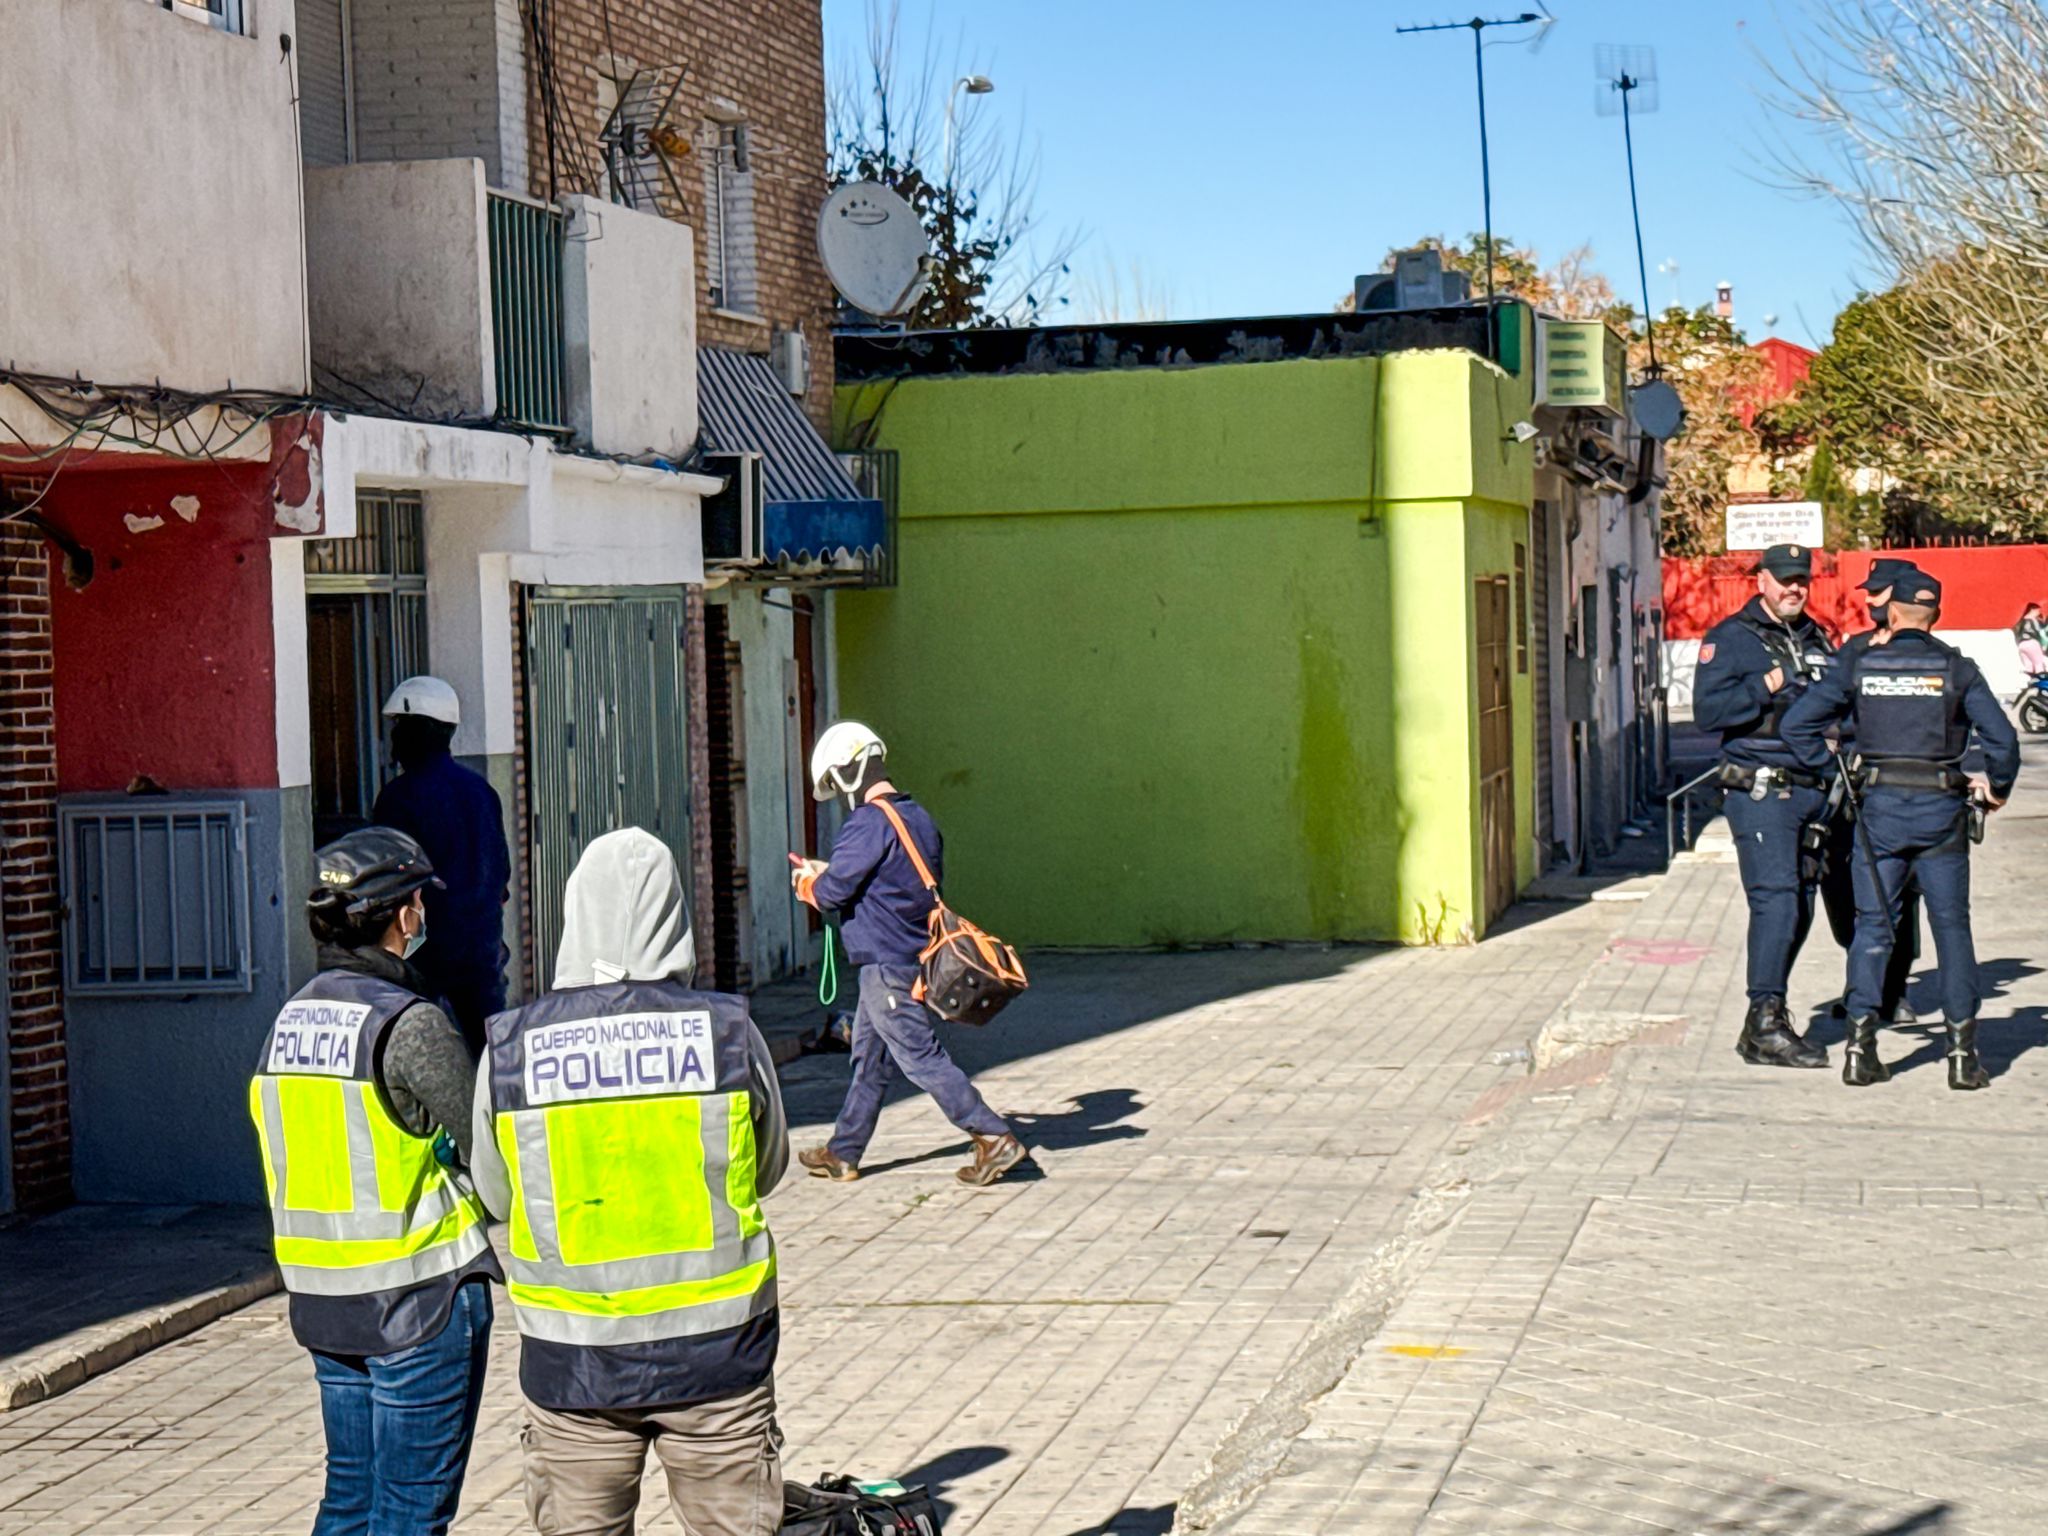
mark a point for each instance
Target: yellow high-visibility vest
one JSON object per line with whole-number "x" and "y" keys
{"x": 359, "y": 1204}
{"x": 624, "y": 1118}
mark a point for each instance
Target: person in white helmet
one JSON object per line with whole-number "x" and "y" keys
{"x": 454, "y": 814}
{"x": 886, "y": 911}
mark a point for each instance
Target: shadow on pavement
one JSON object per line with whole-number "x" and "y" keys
{"x": 1075, "y": 998}
{"x": 1997, "y": 976}
{"x": 1093, "y": 1120}
{"x": 1154, "y": 1521}
{"x": 63, "y": 1276}
{"x": 942, "y": 1471}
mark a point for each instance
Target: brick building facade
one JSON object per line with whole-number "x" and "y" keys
{"x": 757, "y": 63}
{"x": 38, "y": 1117}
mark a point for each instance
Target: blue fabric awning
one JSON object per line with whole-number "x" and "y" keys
{"x": 816, "y": 522}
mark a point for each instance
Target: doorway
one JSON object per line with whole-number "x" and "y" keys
{"x": 1493, "y": 610}
{"x": 366, "y": 632}
{"x": 607, "y": 734}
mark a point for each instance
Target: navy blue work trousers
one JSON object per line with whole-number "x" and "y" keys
{"x": 892, "y": 1034}
{"x": 1780, "y": 896}
{"x": 1838, "y": 895}
{"x": 1919, "y": 835}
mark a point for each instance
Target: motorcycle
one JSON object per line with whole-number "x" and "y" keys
{"x": 2031, "y": 706}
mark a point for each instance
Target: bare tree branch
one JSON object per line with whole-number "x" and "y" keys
{"x": 995, "y": 262}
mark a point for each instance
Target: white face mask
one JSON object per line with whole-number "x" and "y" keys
{"x": 415, "y": 940}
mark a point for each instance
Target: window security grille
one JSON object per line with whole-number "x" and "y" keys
{"x": 156, "y": 897}
{"x": 727, "y": 239}
{"x": 227, "y": 15}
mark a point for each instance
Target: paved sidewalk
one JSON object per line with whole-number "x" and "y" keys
{"x": 94, "y": 1286}
{"x": 1693, "y": 1295}
{"x": 1225, "y": 1141}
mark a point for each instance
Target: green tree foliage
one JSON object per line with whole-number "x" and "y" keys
{"x": 1905, "y": 464}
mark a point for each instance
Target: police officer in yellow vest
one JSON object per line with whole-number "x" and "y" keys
{"x": 361, "y": 1103}
{"x": 627, "y": 1127}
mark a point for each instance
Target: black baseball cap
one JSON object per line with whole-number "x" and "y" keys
{"x": 1786, "y": 561}
{"x": 1919, "y": 587}
{"x": 1889, "y": 572}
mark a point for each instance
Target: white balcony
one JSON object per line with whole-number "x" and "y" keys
{"x": 433, "y": 295}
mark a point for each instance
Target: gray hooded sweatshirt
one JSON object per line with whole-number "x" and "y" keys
{"x": 624, "y": 919}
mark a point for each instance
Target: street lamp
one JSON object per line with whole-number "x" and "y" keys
{"x": 973, "y": 85}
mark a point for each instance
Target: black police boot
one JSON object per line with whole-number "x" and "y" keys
{"x": 1860, "y": 1066}
{"x": 1965, "y": 1071}
{"x": 1769, "y": 1040}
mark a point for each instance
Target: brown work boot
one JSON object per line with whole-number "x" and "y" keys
{"x": 823, "y": 1165}
{"x": 994, "y": 1156}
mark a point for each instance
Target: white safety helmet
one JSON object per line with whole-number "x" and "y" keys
{"x": 839, "y": 756}
{"x": 427, "y": 696}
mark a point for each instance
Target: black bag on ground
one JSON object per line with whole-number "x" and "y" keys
{"x": 965, "y": 975}
{"x": 836, "y": 1506}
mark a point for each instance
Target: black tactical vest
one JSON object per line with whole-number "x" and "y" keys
{"x": 1908, "y": 704}
{"x": 1803, "y": 653}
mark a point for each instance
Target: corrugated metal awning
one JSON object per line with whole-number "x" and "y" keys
{"x": 816, "y": 521}
{"x": 746, "y": 409}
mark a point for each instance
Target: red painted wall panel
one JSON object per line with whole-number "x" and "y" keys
{"x": 164, "y": 662}
{"x": 1982, "y": 588}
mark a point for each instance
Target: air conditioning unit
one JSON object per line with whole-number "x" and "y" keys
{"x": 789, "y": 355}
{"x": 733, "y": 516}
{"x": 1418, "y": 281}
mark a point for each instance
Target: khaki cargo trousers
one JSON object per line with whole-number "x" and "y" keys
{"x": 723, "y": 1460}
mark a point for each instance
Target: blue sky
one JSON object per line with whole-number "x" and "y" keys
{"x": 1250, "y": 158}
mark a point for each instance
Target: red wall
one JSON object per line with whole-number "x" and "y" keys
{"x": 1981, "y": 588}
{"x": 164, "y": 661}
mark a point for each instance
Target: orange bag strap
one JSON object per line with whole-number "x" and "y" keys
{"x": 924, "y": 871}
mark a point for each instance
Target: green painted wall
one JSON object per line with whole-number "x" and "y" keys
{"x": 1183, "y": 655}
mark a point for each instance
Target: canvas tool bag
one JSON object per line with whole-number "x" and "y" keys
{"x": 965, "y": 976}
{"x": 838, "y": 1506}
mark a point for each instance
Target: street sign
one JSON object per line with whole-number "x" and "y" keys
{"x": 1582, "y": 366}
{"x": 1760, "y": 524}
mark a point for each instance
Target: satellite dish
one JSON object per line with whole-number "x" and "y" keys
{"x": 874, "y": 249}
{"x": 1657, "y": 409}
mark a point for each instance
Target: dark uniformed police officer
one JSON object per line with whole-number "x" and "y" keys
{"x": 1912, "y": 701}
{"x": 1752, "y": 666}
{"x": 1838, "y": 879}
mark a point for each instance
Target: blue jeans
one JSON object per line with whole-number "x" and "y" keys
{"x": 399, "y": 1427}
{"x": 892, "y": 1034}
{"x": 1780, "y": 897}
{"x": 1921, "y": 836}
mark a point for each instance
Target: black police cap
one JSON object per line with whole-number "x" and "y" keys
{"x": 1889, "y": 572}
{"x": 370, "y": 868}
{"x": 1785, "y": 561}
{"x": 1917, "y": 588}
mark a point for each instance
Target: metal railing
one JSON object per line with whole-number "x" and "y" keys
{"x": 526, "y": 242}
{"x": 1678, "y": 805}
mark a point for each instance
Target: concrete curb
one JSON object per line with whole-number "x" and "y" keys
{"x": 57, "y": 1368}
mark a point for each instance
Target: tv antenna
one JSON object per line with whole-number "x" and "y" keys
{"x": 1542, "y": 20}
{"x": 1627, "y": 75}
{"x": 633, "y": 134}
